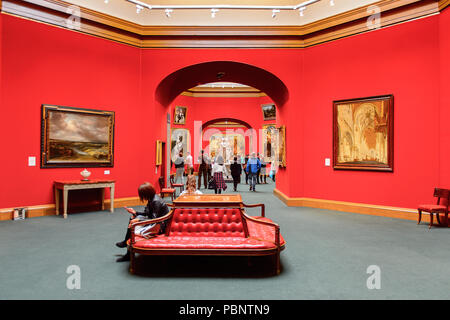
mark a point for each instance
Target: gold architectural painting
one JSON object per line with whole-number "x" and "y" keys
{"x": 363, "y": 133}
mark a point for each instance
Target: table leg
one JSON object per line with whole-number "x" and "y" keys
{"x": 103, "y": 198}
{"x": 112, "y": 199}
{"x": 65, "y": 199}
{"x": 57, "y": 201}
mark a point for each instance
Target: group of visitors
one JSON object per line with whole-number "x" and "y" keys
{"x": 212, "y": 172}
{"x": 156, "y": 207}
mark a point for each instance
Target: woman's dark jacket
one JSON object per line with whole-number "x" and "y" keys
{"x": 155, "y": 208}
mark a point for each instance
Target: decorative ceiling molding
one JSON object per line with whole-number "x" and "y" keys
{"x": 443, "y": 4}
{"x": 54, "y": 12}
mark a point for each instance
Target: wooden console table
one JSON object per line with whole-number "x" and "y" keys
{"x": 65, "y": 186}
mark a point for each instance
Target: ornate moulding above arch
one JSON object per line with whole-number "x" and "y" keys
{"x": 346, "y": 24}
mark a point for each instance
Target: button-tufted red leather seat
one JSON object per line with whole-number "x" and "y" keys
{"x": 224, "y": 231}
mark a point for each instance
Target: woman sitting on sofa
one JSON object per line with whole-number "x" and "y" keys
{"x": 156, "y": 207}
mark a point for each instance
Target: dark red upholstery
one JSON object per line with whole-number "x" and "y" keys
{"x": 432, "y": 207}
{"x": 207, "y": 222}
{"x": 167, "y": 190}
{"x": 262, "y": 232}
{"x": 211, "y": 231}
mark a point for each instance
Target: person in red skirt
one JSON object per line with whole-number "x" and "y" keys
{"x": 217, "y": 172}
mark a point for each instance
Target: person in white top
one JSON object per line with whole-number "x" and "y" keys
{"x": 191, "y": 186}
{"x": 217, "y": 173}
{"x": 189, "y": 164}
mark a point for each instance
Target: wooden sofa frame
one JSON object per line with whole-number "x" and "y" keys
{"x": 279, "y": 246}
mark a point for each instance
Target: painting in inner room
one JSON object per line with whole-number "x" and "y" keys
{"x": 270, "y": 142}
{"x": 363, "y": 133}
{"x": 75, "y": 137}
{"x": 269, "y": 111}
{"x": 179, "y": 115}
{"x": 227, "y": 145}
{"x": 180, "y": 142}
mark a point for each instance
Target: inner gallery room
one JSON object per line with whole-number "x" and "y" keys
{"x": 224, "y": 150}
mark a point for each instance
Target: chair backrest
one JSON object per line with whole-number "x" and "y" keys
{"x": 442, "y": 194}
{"x": 161, "y": 182}
{"x": 207, "y": 222}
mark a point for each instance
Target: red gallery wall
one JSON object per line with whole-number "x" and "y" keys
{"x": 47, "y": 65}
{"x": 159, "y": 63}
{"x": 444, "y": 133}
{"x": 402, "y": 60}
{"x": 247, "y": 109}
{"x": 56, "y": 66}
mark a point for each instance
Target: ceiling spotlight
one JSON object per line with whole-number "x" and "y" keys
{"x": 301, "y": 11}
{"x": 139, "y": 8}
{"x": 331, "y": 2}
{"x": 213, "y": 12}
{"x": 106, "y": 1}
{"x": 168, "y": 11}
{"x": 274, "y": 12}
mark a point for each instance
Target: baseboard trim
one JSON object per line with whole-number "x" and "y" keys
{"x": 361, "y": 208}
{"x": 49, "y": 209}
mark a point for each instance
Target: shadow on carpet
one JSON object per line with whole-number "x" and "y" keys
{"x": 205, "y": 266}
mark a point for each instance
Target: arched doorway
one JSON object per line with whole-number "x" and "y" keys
{"x": 228, "y": 71}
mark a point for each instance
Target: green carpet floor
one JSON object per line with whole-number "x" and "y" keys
{"x": 326, "y": 257}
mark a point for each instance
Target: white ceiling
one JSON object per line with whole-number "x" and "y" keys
{"x": 194, "y": 17}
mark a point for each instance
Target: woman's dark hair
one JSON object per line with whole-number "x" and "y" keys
{"x": 146, "y": 191}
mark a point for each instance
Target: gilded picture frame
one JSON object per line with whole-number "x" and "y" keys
{"x": 269, "y": 111}
{"x": 363, "y": 134}
{"x": 159, "y": 152}
{"x": 179, "y": 115}
{"x": 282, "y": 146}
{"x": 76, "y": 137}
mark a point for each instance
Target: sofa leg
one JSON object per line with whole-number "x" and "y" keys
{"x": 277, "y": 263}
{"x": 132, "y": 261}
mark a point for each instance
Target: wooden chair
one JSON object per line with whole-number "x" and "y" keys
{"x": 176, "y": 185}
{"x": 165, "y": 191}
{"x": 436, "y": 208}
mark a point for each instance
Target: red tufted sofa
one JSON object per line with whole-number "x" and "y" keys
{"x": 211, "y": 229}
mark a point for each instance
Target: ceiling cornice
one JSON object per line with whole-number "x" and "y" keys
{"x": 346, "y": 24}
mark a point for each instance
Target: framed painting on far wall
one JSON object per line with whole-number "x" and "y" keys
{"x": 159, "y": 151}
{"x": 179, "y": 115}
{"x": 281, "y": 145}
{"x": 269, "y": 111}
{"x": 75, "y": 137}
{"x": 363, "y": 134}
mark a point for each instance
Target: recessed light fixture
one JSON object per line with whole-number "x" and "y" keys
{"x": 168, "y": 12}
{"x": 213, "y": 12}
{"x": 301, "y": 11}
{"x": 215, "y": 8}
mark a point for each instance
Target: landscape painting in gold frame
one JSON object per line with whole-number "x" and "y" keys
{"x": 363, "y": 134}
{"x": 75, "y": 137}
